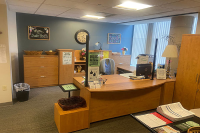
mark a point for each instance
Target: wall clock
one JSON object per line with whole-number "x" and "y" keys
{"x": 80, "y": 36}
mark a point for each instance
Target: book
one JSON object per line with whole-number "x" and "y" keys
{"x": 174, "y": 112}
{"x": 166, "y": 129}
{"x": 153, "y": 119}
{"x": 186, "y": 125}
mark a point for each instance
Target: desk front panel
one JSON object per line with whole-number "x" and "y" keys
{"x": 105, "y": 105}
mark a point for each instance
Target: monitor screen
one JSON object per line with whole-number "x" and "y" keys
{"x": 143, "y": 69}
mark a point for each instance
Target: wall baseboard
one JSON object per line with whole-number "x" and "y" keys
{"x": 6, "y": 104}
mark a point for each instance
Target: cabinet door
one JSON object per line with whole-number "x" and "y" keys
{"x": 187, "y": 78}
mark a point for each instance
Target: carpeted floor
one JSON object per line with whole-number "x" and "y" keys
{"x": 37, "y": 116}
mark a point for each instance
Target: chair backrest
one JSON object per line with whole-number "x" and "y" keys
{"x": 194, "y": 130}
{"x": 107, "y": 66}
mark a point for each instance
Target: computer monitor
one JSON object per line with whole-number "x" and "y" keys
{"x": 143, "y": 69}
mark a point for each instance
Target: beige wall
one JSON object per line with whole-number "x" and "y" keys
{"x": 5, "y": 68}
{"x": 179, "y": 25}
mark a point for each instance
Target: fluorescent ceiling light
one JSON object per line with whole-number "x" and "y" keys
{"x": 92, "y": 16}
{"x": 132, "y": 5}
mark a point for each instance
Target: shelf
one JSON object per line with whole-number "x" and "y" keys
{"x": 79, "y": 74}
{"x": 80, "y": 61}
{"x": 79, "y": 64}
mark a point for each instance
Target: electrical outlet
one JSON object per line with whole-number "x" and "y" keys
{"x": 4, "y": 88}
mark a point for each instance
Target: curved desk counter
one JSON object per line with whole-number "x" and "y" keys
{"x": 122, "y": 96}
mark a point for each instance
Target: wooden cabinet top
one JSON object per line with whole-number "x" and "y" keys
{"x": 120, "y": 83}
{"x": 40, "y": 55}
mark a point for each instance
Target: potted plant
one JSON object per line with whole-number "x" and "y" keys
{"x": 83, "y": 54}
{"x": 124, "y": 49}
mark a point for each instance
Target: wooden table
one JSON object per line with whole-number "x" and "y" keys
{"x": 122, "y": 96}
{"x": 126, "y": 69}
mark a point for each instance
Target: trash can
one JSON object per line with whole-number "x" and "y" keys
{"x": 22, "y": 91}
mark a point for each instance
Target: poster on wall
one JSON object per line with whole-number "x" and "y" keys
{"x": 38, "y": 33}
{"x": 93, "y": 73}
{"x": 3, "y": 58}
{"x": 114, "y": 38}
{"x": 67, "y": 58}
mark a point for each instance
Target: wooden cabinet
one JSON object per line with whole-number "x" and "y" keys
{"x": 188, "y": 73}
{"x": 121, "y": 60}
{"x": 66, "y": 71}
{"x": 41, "y": 70}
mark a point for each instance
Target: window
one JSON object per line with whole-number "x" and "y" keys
{"x": 139, "y": 41}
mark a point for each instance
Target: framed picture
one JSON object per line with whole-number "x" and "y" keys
{"x": 114, "y": 38}
{"x": 38, "y": 33}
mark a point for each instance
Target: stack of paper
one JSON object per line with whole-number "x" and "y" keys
{"x": 153, "y": 120}
{"x": 174, "y": 112}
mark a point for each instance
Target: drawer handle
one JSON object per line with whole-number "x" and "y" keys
{"x": 42, "y": 57}
{"x": 42, "y": 66}
{"x": 42, "y": 76}
{"x": 120, "y": 63}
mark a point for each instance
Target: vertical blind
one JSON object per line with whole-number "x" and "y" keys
{"x": 139, "y": 41}
{"x": 161, "y": 31}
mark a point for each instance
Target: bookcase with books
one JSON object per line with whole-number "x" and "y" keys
{"x": 170, "y": 118}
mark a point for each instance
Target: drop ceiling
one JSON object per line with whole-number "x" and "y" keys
{"x": 77, "y": 8}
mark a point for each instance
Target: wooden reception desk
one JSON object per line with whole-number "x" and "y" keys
{"x": 122, "y": 96}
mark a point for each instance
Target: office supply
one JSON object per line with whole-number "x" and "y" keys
{"x": 153, "y": 119}
{"x": 143, "y": 69}
{"x": 166, "y": 129}
{"x": 171, "y": 52}
{"x": 174, "y": 112}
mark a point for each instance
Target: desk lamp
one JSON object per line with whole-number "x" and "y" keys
{"x": 97, "y": 44}
{"x": 171, "y": 52}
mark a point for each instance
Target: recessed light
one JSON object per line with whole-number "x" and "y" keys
{"x": 132, "y": 5}
{"x": 93, "y": 16}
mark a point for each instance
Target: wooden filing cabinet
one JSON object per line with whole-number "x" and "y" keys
{"x": 121, "y": 60}
{"x": 41, "y": 70}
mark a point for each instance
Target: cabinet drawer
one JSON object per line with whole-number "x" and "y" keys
{"x": 41, "y": 81}
{"x": 40, "y": 71}
{"x": 40, "y": 61}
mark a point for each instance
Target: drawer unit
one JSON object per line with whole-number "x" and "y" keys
{"x": 121, "y": 60}
{"x": 41, "y": 70}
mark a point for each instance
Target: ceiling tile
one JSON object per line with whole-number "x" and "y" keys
{"x": 51, "y": 12}
{"x": 23, "y": 3}
{"x": 90, "y": 7}
{"x": 53, "y": 8}
{"x": 22, "y": 9}
{"x": 156, "y": 2}
{"x": 70, "y": 15}
{"x": 36, "y": 1}
{"x": 61, "y": 3}
{"x": 182, "y": 4}
{"x": 119, "y": 11}
{"x": 110, "y": 3}
{"x": 78, "y": 11}
{"x": 80, "y": 1}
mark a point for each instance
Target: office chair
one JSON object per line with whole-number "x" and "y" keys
{"x": 107, "y": 66}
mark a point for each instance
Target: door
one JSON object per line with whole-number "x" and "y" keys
{"x": 187, "y": 72}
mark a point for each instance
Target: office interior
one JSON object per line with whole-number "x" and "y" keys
{"x": 65, "y": 18}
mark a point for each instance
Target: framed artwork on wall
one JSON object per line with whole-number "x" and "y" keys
{"x": 114, "y": 38}
{"x": 38, "y": 33}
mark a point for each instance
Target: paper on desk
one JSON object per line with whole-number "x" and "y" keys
{"x": 3, "y": 58}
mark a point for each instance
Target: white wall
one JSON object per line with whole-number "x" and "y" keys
{"x": 5, "y": 68}
{"x": 13, "y": 46}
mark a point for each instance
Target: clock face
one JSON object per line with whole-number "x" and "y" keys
{"x": 80, "y": 36}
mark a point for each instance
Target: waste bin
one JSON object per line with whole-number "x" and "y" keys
{"x": 22, "y": 91}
